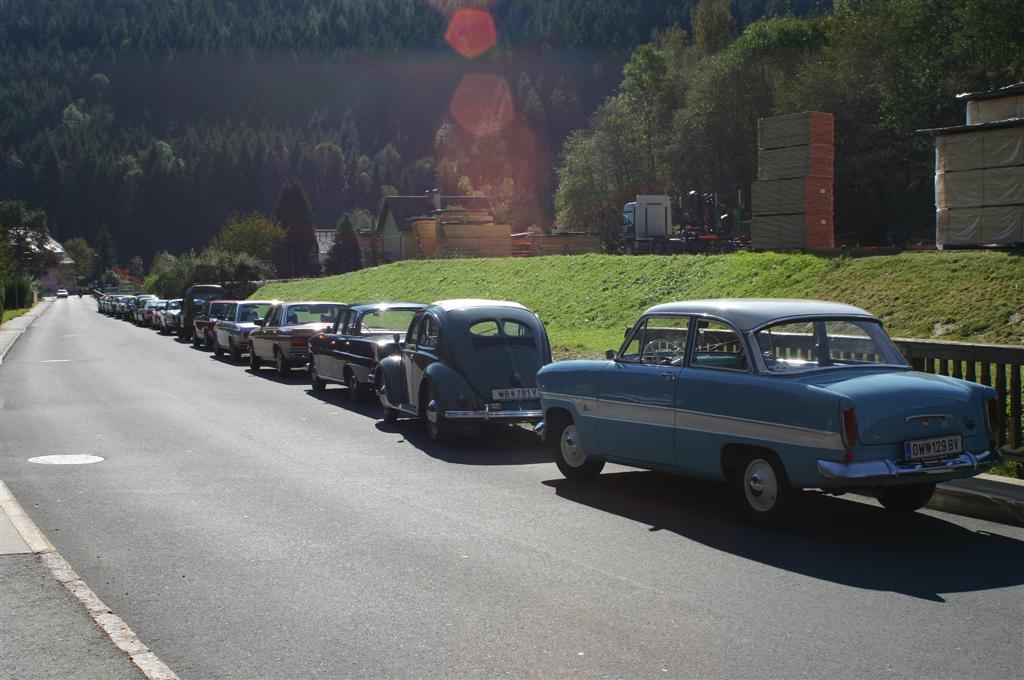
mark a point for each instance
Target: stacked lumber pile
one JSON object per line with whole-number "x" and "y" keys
{"x": 793, "y": 201}
{"x": 559, "y": 243}
{"x": 979, "y": 186}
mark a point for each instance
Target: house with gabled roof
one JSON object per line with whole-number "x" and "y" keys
{"x": 414, "y": 226}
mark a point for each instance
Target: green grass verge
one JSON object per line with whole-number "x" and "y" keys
{"x": 13, "y": 314}
{"x": 587, "y": 300}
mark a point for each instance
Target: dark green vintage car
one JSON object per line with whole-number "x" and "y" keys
{"x": 465, "y": 363}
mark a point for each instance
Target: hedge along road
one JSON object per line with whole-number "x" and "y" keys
{"x": 244, "y": 527}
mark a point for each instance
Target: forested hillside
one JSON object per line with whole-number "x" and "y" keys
{"x": 685, "y": 115}
{"x": 160, "y": 119}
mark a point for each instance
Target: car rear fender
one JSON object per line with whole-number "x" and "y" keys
{"x": 391, "y": 370}
{"x": 451, "y": 385}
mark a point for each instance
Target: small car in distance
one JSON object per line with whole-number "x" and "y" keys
{"x": 170, "y": 317}
{"x": 772, "y": 396}
{"x": 283, "y": 336}
{"x": 231, "y": 331}
{"x": 192, "y": 303}
{"x": 465, "y": 363}
{"x": 350, "y": 351}
{"x": 62, "y": 293}
{"x": 149, "y": 308}
{"x": 202, "y": 324}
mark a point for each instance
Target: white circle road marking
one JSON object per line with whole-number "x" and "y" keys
{"x": 71, "y": 459}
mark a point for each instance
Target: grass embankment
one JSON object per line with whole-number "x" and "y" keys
{"x": 587, "y": 300}
{"x": 13, "y": 314}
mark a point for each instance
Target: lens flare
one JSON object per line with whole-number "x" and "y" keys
{"x": 482, "y": 104}
{"x": 471, "y": 32}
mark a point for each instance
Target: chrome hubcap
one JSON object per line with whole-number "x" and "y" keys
{"x": 762, "y": 486}
{"x": 572, "y": 451}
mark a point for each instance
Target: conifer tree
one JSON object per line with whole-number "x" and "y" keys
{"x": 345, "y": 255}
{"x": 298, "y": 256}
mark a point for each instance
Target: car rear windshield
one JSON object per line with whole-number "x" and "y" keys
{"x": 174, "y": 304}
{"x": 386, "y": 321}
{"x": 302, "y": 314}
{"x": 249, "y": 313}
{"x": 494, "y": 332}
{"x": 825, "y": 343}
{"x": 217, "y": 308}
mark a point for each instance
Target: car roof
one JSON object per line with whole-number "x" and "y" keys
{"x": 258, "y": 302}
{"x": 312, "y": 302}
{"x": 749, "y": 313}
{"x": 370, "y": 306}
{"x": 449, "y": 305}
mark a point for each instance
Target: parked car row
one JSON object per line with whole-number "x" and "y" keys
{"x": 770, "y": 396}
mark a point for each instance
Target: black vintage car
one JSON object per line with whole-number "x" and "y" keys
{"x": 351, "y": 350}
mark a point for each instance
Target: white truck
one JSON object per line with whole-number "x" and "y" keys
{"x": 646, "y": 223}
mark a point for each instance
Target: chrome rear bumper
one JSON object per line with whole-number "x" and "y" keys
{"x": 487, "y": 414}
{"x": 879, "y": 470}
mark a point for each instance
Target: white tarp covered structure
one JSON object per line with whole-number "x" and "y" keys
{"x": 979, "y": 172}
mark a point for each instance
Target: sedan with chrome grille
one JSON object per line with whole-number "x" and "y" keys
{"x": 773, "y": 396}
{"x": 282, "y": 337}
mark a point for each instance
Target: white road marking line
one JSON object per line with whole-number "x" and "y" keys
{"x": 116, "y": 629}
{"x": 54, "y": 361}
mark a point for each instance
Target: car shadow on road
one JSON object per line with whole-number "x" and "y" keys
{"x": 497, "y": 445}
{"x": 833, "y": 539}
{"x": 294, "y": 377}
{"x": 338, "y": 396}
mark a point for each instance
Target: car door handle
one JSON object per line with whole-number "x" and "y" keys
{"x": 669, "y": 376}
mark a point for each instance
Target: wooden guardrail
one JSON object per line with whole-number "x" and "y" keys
{"x": 998, "y": 366}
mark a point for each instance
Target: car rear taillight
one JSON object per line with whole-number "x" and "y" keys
{"x": 995, "y": 415}
{"x": 297, "y": 342}
{"x": 850, "y": 432}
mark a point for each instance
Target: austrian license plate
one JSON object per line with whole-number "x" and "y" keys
{"x": 515, "y": 394}
{"x": 933, "y": 447}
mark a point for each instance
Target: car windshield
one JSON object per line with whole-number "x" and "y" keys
{"x": 386, "y": 321}
{"x": 315, "y": 313}
{"x": 249, "y": 313}
{"x": 810, "y": 344}
{"x": 218, "y": 308}
{"x": 174, "y": 304}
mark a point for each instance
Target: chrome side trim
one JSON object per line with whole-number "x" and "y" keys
{"x": 662, "y": 416}
{"x": 878, "y": 470}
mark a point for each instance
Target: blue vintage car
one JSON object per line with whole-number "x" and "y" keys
{"x": 772, "y": 396}
{"x": 464, "y": 363}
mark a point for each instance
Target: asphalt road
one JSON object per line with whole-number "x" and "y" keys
{"x": 244, "y": 527}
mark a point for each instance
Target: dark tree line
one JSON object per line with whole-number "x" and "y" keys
{"x": 161, "y": 119}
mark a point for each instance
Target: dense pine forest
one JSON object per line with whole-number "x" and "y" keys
{"x": 162, "y": 119}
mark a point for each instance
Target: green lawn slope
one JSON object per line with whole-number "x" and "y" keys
{"x": 587, "y": 300}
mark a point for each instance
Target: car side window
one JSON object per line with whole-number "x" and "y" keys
{"x": 718, "y": 346}
{"x": 413, "y": 334}
{"x": 429, "y": 333}
{"x": 274, "y": 318}
{"x": 659, "y": 340}
{"x": 341, "y": 325}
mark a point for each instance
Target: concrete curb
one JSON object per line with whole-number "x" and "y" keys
{"x": 17, "y": 327}
{"x": 116, "y": 630}
{"x": 989, "y": 497}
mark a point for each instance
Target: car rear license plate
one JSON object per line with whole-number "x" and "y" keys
{"x": 933, "y": 447}
{"x": 515, "y": 394}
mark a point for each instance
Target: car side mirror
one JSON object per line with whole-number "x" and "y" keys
{"x": 260, "y": 322}
{"x": 609, "y": 354}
